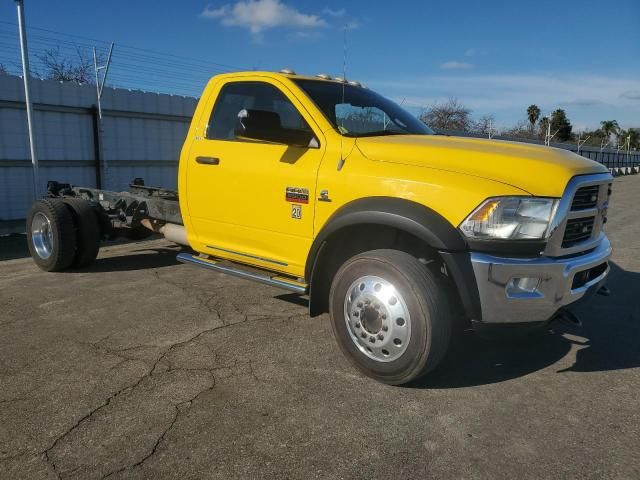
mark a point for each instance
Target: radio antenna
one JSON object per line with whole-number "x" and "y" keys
{"x": 344, "y": 81}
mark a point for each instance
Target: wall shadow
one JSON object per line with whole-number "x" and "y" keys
{"x": 608, "y": 340}
{"x": 13, "y": 246}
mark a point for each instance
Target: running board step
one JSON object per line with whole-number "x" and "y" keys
{"x": 230, "y": 269}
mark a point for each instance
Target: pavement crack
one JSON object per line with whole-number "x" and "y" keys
{"x": 180, "y": 409}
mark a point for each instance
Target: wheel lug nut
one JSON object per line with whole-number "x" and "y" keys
{"x": 356, "y": 313}
{"x": 380, "y": 336}
{"x": 360, "y": 304}
{"x": 363, "y": 335}
{"x": 384, "y": 316}
{"x": 357, "y": 324}
{"x": 385, "y": 328}
{"x": 367, "y": 301}
{"x": 372, "y": 339}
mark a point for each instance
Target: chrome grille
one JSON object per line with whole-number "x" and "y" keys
{"x": 577, "y": 230}
{"x": 585, "y": 197}
{"x": 581, "y": 213}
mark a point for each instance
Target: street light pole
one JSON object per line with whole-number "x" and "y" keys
{"x": 27, "y": 97}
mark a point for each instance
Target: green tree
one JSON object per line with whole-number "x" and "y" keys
{"x": 560, "y": 126}
{"x": 609, "y": 127}
{"x": 533, "y": 114}
{"x": 632, "y": 135}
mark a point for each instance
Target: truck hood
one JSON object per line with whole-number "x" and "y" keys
{"x": 539, "y": 170}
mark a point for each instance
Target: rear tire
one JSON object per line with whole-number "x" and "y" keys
{"x": 88, "y": 231}
{"x": 51, "y": 235}
{"x": 390, "y": 315}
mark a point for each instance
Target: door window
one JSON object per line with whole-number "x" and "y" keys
{"x": 251, "y": 96}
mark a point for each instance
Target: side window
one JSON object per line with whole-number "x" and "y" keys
{"x": 250, "y": 95}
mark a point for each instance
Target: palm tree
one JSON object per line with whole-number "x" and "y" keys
{"x": 533, "y": 113}
{"x": 609, "y": 127}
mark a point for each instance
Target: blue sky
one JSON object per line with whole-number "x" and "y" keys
{"x": 496, "y": 57}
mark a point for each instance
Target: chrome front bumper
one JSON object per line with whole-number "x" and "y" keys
{"x": 556, "y": 287}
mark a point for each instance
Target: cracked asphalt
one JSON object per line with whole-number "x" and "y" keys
{"x": 139, "y": 367}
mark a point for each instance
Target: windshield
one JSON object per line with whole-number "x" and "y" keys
{"x": 359, "y": 112}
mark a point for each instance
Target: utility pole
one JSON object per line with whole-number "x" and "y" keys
{"x": 580, "y": 143}
{"x": 24, "y": 54}
{"x": 100, "y": 81}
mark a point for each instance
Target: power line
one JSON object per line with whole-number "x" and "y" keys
{"x": 125, "y": 46}
{"x": 132, "y": 67}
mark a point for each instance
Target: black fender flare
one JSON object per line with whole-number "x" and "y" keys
{"x": 411, "y": 217}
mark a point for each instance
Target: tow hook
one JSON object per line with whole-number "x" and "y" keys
{"x": 568, "y": 317}
{"x": 604, "y": 291}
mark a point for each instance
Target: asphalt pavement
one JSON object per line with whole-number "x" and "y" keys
{"x": 140, "y": 367}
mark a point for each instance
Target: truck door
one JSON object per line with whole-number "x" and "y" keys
{"x": 254, "y": 201}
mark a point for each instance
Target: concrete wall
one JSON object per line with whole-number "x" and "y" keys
{"x": 142, "y": 134}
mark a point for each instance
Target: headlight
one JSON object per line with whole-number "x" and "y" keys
{"x": 511, "y": 218}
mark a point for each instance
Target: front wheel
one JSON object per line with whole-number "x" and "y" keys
{"x": 390, "y": 315}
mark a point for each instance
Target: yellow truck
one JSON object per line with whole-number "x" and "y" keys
{"x": 323, "y": 187}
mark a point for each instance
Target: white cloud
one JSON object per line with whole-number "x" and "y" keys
{"x": 214, "y": 12}
{"x": 260, "y": 15}
{"x": 453, "y": 65}
{"x": 472, "y": 52}
{"x": 352, "y": 25}
{"x": 631, "y": 95}
{"x": 334, "y": 13}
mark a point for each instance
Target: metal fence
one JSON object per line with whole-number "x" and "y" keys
{"x": 141, "y": 136}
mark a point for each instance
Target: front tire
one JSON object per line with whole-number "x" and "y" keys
{"x": 390, "y": 315}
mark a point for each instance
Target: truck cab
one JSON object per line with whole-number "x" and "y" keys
{"x": 326, "y": 188}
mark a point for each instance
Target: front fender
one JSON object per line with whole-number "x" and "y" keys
{"x": 405, "y": 215}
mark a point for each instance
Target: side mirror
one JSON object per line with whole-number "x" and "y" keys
{"x": 265, "y": 126}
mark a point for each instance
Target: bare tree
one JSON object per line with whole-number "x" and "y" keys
{"x": 451, "y": 115}
{"x": 59, "y": 67}
{"x": 522, "y": 129}
{"x": 485, "y": 125}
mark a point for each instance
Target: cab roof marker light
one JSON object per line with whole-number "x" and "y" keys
{"x": 287, "y": 71}
{"x": 324, "y": 76}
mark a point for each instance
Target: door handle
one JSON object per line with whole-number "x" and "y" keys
{"x": 208, "y": 160}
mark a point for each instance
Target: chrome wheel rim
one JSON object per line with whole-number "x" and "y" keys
{"x": 42, "y": 235}
{"x": 377, "y": 318}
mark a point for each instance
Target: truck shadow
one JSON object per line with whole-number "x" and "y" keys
{"x": 608, "y": 340}
{"x": 147, "y": 258}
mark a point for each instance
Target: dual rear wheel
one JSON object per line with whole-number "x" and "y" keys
{"x": 63, "y": 233}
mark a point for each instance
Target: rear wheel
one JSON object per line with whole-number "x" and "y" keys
{"x": 88, "y": 231}
{"x": 51, "y": 235}
{"x": 390, "y": 315}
